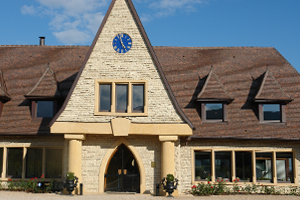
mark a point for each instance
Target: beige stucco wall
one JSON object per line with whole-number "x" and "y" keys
{"x": 95, "y": 147}
{"x": 186, "y": 155}
{"x": 106, "y": 63}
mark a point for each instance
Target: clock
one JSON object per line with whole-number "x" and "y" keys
{"x": 122, "y": 43}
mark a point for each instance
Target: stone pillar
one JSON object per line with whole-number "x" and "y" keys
{"x": 168, "y": 157}
{"x": 74, "y": 156}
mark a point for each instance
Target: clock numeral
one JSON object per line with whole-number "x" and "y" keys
{"x": 128, "y": 39}
{"x": 115, "y": 47}
{"x": 128, "y": 47}
{"x": 118, "y": 49}
{"x": 129, "y": 42}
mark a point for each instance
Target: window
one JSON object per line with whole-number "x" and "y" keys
{"x": 202, "y": 165}
{"x": 243, "y": 166}
{"x": 223, "y": 166}
{"x": 1, "y": 161}
{"x": 54, "y": 163}
{"x": 43, "y": 109}
{"x": 247, "y": 166}
{"x": 284, "y": 167}
{"x": 123, "y": 98}
{"x": 34, "y": 163}
{"x": 214, "y": 112}
{"x": 264, "y": 167}
{"x": 272, "y": 113}
{"x": 14, "y": 162}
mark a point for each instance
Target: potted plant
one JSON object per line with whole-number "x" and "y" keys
{"x": 70, "y": 182}
{"x": 169, "y": 184}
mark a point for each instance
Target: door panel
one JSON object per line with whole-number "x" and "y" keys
{"x": 122, "y": 173}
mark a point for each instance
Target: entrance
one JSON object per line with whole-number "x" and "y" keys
{"x": 122, "y": 174}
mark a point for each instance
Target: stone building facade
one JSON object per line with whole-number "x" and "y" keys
{"x": 124, "y": 114}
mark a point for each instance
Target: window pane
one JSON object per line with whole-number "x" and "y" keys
{"x": 34, "y": 160}
{"x": 214, "y": 111}
{"x": 243, "y": 166}
{"x": 223, "y": 165}
{"x": 105, "y": 97}
{"x": 44, "y": 108}
{"x": 138, "y": 98}
{"x": 271, "y": 112}
{"x": 264, "y": 167}
{"x": 53, "y": 163}
{"x": 284, "y": 167}
{"x": 1, "y": 160}
{"x": 121, "y": 97}
{"x": 14, "y": 162}
{"x": 202, "y": 165}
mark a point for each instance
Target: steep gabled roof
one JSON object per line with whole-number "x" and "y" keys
{"x": 152, "y": 54}
{"x": 271, "y": 90}
{"x": 213, "y": 89}
{"x": 4, "y": 96}
{"x": 46, "y": 87}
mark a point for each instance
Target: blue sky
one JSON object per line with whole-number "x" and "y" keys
{"x": 190, "y": 23}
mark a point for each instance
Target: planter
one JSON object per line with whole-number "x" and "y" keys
{"x": 70, "y": 182}
{"x": 169, "y": 185}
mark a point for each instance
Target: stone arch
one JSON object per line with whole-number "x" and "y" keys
{"x": 109, "y": 154}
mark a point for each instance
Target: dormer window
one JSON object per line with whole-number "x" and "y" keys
{"x": 214, "y": 99}
{"x": 271, "y": 100}
{"x": 43, "y": 108}
{"x": 271, "y": 112}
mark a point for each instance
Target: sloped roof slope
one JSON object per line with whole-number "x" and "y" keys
{"x": 213, "y": 89}
{"x": 240, "y": 70}
{"x": 23, "y": 66}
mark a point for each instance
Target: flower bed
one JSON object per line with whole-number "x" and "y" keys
{"x": 221, "y": 188}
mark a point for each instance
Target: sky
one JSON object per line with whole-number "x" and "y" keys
{"x": 181, "y": 23}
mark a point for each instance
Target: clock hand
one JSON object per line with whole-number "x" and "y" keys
{"x": 121, "y": 41}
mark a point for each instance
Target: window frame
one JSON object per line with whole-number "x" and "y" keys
{"x": 113, "y": 111}
{"x": 203, "y": 112}
{"x": 282, "y": 114}
{"x": 253, "y": 151}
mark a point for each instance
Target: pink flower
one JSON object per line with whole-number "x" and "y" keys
{"x": 43, "y": 176}
{"x": 194, "y": 186}
{"x": 31, "y": 179}
{"x": 35, "y": 178}
{"x": 211, "y": 186}
{"x": 208, "y": 182}
{"x": 9, "y": 179}
{"x": 238, "y": 179}
{"x": 226, "y": 180}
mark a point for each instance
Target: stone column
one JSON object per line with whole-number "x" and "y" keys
{"x": 74, "y": 156}
{"x": 168, "y": 157}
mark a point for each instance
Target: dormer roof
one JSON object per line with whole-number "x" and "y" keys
{"x": 213, "y": 89}
{"x": 46, "y": 87}
{"x": 4, "y": 96}
{"x": 270, "y": 90}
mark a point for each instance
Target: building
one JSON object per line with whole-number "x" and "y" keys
{"x": 122, "y": 114}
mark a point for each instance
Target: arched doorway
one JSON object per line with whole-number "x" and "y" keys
{"x": 122, "y": 173}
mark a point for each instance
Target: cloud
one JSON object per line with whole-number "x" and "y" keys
{"x": 72, "y": 36}
{"x": 29, "y": 10}
{"x": 79, "y": 18}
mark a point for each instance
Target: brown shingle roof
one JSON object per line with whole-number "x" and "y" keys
{"x": 4, "y": 96}
{"x": 239, "y": 70}
{"x": 213, "y": 89}
{"x": 23, "y": 66}
{"x": 46, "y": 87}
{"x": 270, "y": 89}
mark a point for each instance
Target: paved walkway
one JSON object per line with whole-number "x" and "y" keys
{"x": 9, "y": 195}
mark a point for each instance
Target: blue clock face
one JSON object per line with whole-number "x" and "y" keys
{"x": 122, "y": 43}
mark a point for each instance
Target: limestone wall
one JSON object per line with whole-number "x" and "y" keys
{"x": 106, "y": 63}
{"x": 95, "y": 147}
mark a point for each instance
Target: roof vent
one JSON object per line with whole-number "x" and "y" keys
{"x": 42, "y": 41}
